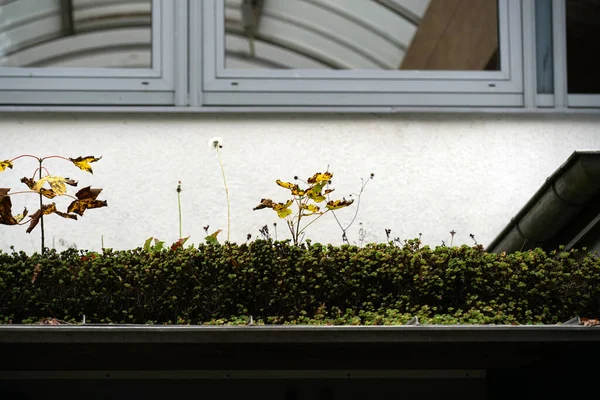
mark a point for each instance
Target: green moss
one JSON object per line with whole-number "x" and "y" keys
{"x": 277, "y": 283}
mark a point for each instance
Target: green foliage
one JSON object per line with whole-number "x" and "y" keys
{"x": 159, "y": 245}
{"x": 278, "y": 283}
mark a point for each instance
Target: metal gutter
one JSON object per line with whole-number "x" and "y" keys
{"x": 429, "y": 334}
{"x": 554, "y": 206}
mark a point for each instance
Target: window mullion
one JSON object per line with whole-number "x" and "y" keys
{"x": 529, "y": 55}
{"x": 181, "y": 56}
{"x": 559, "y": 38}
{"x": 196, "y": 42}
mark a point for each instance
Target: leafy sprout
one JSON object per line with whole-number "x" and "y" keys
{"x": 308, "y": 201}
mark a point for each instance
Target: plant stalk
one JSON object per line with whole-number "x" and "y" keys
{"x": 226, "y": 193}
{"x": 41, "y": 207}
{"x": 179, "y": 206}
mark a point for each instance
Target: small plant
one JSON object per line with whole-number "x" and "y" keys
{"x": 84, "y": 199}
{"x": 212, "y": 238}
{"x": 217, "y": 144}
{"x": 316, "y": 191}
{"x": 155, "y": 245}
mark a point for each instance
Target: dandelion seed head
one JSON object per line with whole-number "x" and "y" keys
{"x": 215, "y": 142}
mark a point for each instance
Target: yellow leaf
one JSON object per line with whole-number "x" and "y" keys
{"x": 57, "y": 184}
{"x": 283, "y": 209}
{"x": 45, "y": 192}
{"x": 296, "y": 191}
{"x": 320, "y": 177}
{"x": 287, "y": 185}
{"x": 5, "y": 164}
{"x": 83, "y": 163}
{"x": 337, "y": 204}
{"x": 315, "y": 194}
{"x": 311, "y": 208}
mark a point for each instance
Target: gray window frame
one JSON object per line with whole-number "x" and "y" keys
{"x": 109, "y": 86}
{"x": 339, "y": 88}
{"x": 190, "y": 76}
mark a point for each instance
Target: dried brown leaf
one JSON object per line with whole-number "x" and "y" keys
{"x": 36, "y": 271}
{"x": 86, "y": 198}
{"x": 590, "y": 322}
{"x": 6, "y": 217}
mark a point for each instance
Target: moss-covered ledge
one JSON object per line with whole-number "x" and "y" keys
{"x": 266, "y": 282}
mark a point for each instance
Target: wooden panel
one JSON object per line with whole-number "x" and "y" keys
{"x": 455, "y": 35}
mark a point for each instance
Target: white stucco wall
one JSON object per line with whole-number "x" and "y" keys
{"x": 433, "y": 173}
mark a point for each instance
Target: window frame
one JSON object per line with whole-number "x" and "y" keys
{"x": 503, "y": 88}
{"x": 105, "y": 86}
{"x": 192, "y": 79}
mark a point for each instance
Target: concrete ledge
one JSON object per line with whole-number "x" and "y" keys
{"x": 297, "y": 334}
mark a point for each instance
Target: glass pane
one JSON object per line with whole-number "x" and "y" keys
{"x": 543, "y": 34}
{"x": 76, "y": 33}
{"x": 362, "y": 34}
{"x": 583, "y": 46}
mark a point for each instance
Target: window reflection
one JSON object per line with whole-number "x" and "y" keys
{"x": 76, "y": 33}
{"x": 362, "y": 34}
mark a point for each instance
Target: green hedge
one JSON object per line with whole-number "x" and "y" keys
{"x": 278, "y": 283}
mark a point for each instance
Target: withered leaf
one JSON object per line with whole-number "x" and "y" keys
{"x": 287, "y": 185}
{"x": 6, "y": 217}
{"x": 46, "y": 210}
{"x": 296, "y": 191}
{"x": 47, "y": 193}
{"x": 65, "y": 215}
{"x": 57, "y": 184}
{"x": 50, "y": 321}
{"x": 83, "y": 163}
{"x": 310, "y": 208}
{"x": 86, "y": 199}
{"x": 264, "y": 203}
{"x": 35, "y": 217}
{"x": 36, "y": 271}
{"x": 5, "y": 164}
{"x": 320, "y": 177}
{"x": 179, "y": 243}
{"x": 337, "y": 204}
{"x": 282, "y": 209}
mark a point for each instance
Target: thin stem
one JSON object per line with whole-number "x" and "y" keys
{"x": 313, "y": 221}
{"x": 290, "y": 225}
{"x": 41, "y": 207}
{"x": 22, "y": 192}
{"x": 31, "y": 191}
{"x": 40, "y": 171}
{"x": 179, "y": 206}
{"x": 61, "y": 157}
{"x": 362, "y": 188}
{"x": 24, "y": 155}
{"x": 298, "y": 228}
{"x": 226, "y": 193}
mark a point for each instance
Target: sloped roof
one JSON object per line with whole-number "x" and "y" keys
{"x": 561, "y": 212}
